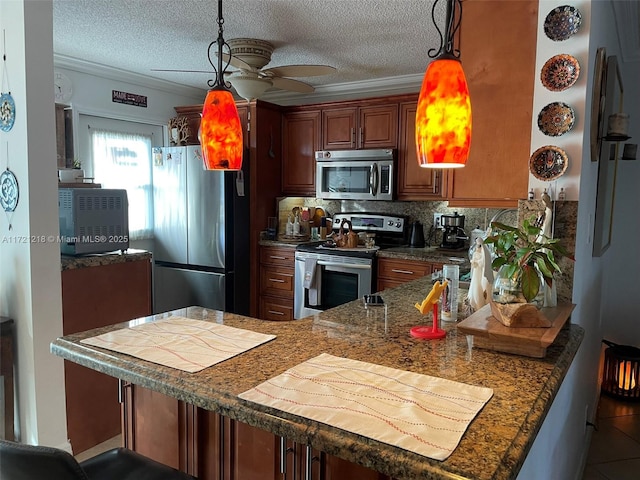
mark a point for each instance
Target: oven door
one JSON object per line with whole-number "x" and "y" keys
{"x": 354, "y": 180}
{"x": 336, "y": 280}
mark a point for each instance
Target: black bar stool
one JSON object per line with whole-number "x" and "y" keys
{"x": 28, "y": 462}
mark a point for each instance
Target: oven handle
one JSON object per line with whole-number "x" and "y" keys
{"x": 336, "y": 264}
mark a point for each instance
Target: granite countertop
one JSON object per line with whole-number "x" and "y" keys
{"x": 494, "y": 446}
{"x": 69, "y": 262}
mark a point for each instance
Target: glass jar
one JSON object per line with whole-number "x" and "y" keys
{"x": 508, "y": 289}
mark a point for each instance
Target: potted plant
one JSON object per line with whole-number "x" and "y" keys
{"x": 525, "y": 259}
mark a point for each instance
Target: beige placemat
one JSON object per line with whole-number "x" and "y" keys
{"x": 182, "y": 343}
{"x": 422, "y": 414}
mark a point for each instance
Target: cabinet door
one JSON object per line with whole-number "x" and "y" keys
{"x": 301, "y": 139}
{"x": 337, "y": 469}
{"x": 393, "y": 272}
{"x": 497, "y": 172}
{"x": 378, "y": 127}
{"x": 339, "y": 128}
{"x": 276, "y": 308}
{"x": 414, "y": 182}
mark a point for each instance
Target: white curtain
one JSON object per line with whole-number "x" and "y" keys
{"x": 123, "y": 160}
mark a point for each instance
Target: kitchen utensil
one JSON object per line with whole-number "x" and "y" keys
{"x": 349, "y": 239}
{"x": 417, "y": 235}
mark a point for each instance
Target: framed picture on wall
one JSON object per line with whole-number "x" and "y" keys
{"x": 608, "y": 165}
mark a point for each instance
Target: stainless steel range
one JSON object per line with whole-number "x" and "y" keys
{"x": 327, "y": 276}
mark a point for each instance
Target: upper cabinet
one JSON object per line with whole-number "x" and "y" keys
{"x": 501, "y": 88}
{"x": 346, "y": 128}
{"x": 414, "y": 182}
{"x": 301, "y": 136}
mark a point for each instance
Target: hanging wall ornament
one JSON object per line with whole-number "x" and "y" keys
{"x": 9, "y": 191}
{"x": 7, "y": 105}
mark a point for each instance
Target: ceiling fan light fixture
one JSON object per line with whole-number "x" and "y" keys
{"x": 220, "y": 127}
{"x": 443, "y": 116}
{"x": 249, "y": 87}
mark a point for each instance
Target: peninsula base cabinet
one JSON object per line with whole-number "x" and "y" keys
{"x": 210, "y": 446}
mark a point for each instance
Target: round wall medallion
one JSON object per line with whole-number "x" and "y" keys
{"x": 560, "y": 72}
{"x": 9, "y": 191}
{"x": 562, "y": 23}
{"x": 548, "y": 163}
{"x": 556, "y": 119}
{"x": 7, "y": 112}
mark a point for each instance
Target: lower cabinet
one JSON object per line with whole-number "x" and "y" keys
{"x": 276, "y": 282}
{"x": 395, "y": 272}
{"x": 210, "y": 446}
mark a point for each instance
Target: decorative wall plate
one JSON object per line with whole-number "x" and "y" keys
{"x": 556, "y": 119}
{"x": 597, "y": 104}
{"x": 560, "y": 72}
{"x": 9, "y": 191}
{"x": 548, "y": 163}
{"x": 562, "y": 23}
{"x": 7, "y": 112}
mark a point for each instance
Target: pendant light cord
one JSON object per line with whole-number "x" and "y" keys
{"x": 5, "y": 74}
{"x": 219, "y": 82}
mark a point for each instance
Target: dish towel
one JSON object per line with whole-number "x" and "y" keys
{"x": 309, "y": 281}
{"x": 423, "y": 414}
{"x": 179, "y": 342}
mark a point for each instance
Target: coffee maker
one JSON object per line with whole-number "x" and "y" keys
{"x": 453, "y": 236}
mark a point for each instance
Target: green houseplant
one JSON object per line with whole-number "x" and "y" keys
{"x": 525, "y": 256}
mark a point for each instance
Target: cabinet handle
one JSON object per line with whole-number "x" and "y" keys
{"x": 284, "y": 451}
{"x": 277, "y": 280}
{"x": 353, "y": 137}
{"x": 308, "y": 463}
{"x": 406, "y": 272}
{"x": 275, "y": 257}
{"x": 274, "y": 312}
{"x": 361, "y": 137}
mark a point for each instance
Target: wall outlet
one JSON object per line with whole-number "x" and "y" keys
{"x": 437, "y": 221}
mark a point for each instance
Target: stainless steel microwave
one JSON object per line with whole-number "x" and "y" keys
{"x": 355, "y": 174}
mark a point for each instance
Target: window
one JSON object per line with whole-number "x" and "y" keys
{"x": 123, "y": 160}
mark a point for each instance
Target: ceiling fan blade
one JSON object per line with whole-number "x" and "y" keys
{"x": 182, "y": 71}
{"x": 299, "y": 70}
{"x": 236, "y": 62}
{"x": 292, "y": 85}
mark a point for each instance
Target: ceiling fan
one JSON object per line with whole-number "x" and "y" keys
{"x": 250, "y": 80}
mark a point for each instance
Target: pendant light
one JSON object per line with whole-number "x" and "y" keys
{"x": 443, "y": 117}
{"x": 220, "y": 127}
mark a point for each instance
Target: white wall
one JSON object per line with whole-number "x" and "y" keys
{"x": 30, "y": 273}
{"x": 559, "y": 450}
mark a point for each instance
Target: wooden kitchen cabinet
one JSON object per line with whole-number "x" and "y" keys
{"x": 301, "y": 134}
{"x": 394, "y": 272}
{"x": 497, "y": 173}
{"x": 210, "y": 446}
{"x": 93, "y": 297}
{"x": 345, "y": 128}
{"x": 277, "y": 266}
{"x": 415, "y": 182}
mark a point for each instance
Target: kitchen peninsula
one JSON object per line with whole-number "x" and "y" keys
{"x": 493, "y": 447}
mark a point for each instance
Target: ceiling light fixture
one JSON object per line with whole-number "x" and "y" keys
{"x": 220, "y": 127}
{"x": 443, "y": 117}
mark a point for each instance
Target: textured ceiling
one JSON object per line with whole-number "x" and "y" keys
{"x": 364, "y": 39}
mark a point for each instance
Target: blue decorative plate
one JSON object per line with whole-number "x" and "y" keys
{"x": 556, "y": 119}
{"x": 562, "y": 23}
{"x": 7, "y": 112}
{"x": 560, "y": 72}
{"x": 9, "y": 192}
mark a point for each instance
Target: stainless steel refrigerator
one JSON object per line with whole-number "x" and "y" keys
{"x": 201, "y": 250}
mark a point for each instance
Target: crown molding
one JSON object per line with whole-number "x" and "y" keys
{"x": 104, "y": 71}
{"x": 348, "y": 91}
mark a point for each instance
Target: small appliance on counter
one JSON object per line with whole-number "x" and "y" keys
{"x": 93, "y": 220}
{"x": 453, "y": 236}
{"x": 417, "y": 235}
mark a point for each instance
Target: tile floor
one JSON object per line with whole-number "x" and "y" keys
{"x": 614, "y": 453}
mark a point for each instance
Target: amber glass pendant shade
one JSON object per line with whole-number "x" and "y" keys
{"x": 221, "y": 132}
{"x": 443, "y": 118}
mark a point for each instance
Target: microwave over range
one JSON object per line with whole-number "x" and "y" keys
{"x": 355, "y": 174}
